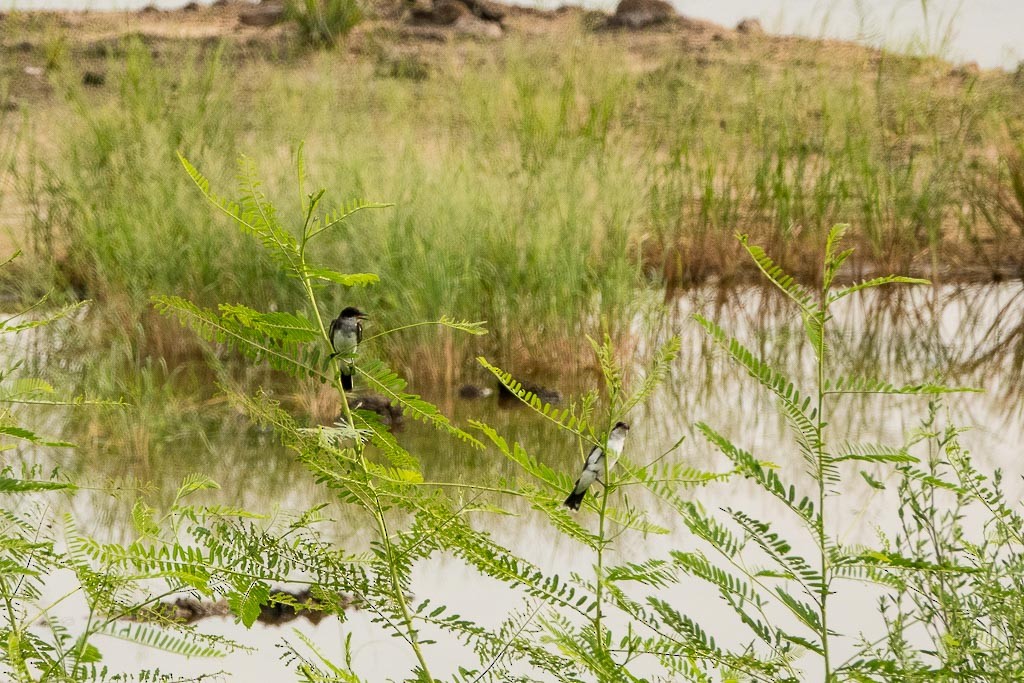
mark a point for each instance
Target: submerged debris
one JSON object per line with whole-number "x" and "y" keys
{"x": 390, "y": 413}
{"x": 283, "y": 606}
{"x": 506, "y": 398}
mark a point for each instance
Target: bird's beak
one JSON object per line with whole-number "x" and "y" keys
{"x": 362, "y": 316}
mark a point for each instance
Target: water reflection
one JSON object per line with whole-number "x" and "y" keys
{"x": 967, "y": 335}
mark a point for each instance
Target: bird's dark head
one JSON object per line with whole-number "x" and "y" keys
{"x": 621, "y": 425}
{"x": 352, "y": 312}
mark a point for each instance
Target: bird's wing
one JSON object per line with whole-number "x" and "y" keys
{"x": 594, "y": 456}
{"x": 359, "y": 332}
{"x": 335, "y": 326}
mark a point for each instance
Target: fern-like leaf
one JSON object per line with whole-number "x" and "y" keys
{"x": 779, "y": 278}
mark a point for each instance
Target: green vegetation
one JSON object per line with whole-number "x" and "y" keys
{"x": 534, "y": 179}
{"x": 558, "y": 185}
{"x": 324, "y": 23}
{"x": 936, "y": 573}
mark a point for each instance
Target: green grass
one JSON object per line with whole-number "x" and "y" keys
{"x": 537, "y": 183}
{"x": 324, "y": 23}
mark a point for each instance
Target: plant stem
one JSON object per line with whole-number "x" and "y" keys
{"x": 599, "y": 586}
{"x": 396, "y": 586}
{"x": 378, "y": 510}
{"x": 820, "y": 446}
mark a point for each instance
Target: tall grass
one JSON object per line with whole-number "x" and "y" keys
{"x": 324, "y": 23}
{"x": 536, "y": 182}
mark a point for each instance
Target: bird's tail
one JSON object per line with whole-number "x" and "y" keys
{"x": 346, "y": 380}
{"x": 575, "y": 498}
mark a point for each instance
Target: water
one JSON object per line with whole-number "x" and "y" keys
{"x": 970, "y": 335}
{"x": 985, "y": 31}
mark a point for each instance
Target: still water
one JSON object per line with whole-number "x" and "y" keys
{"x": 969, "y": 335}
{"x": 985, "y": 31}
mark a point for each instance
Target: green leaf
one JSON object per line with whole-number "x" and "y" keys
{"x": 656, "y": 373}
{"x": 159, "y": 639}
{"x": 298, "y": 360}
{"x": 869, "y": 452}
{"x": 281, "y": 326}
{"x": 786, "y": 283}
{"x": 866, "y": 385}
{"x": 569, "y": 418}
{"x": 872, "y": 482}
{"x": 253, "y": 214}
{"x": 246, "y": 600}
{"x": 344, "y": 279}
{"x": 877, "y": 282}
{"x": 9, "y": 485}
{"x": 30, "y": 436}
{"x": 474, "y": 328}
{"x": 346, "y": 211}
{"x": 142, "y": 518}
{"x": 796, "y": 408}
{"x": 765, "y": 475}
{"x": 195, "y": 482}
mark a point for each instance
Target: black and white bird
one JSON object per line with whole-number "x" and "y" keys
{"x": 346, "y": 334}
{"x": 597, "y": 464}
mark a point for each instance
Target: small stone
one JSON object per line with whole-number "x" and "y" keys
{"x": 472, "y": 391}
{"x": 641, "y": 13}
{"x": 267, "y": 14}
{"x": 966, "y": 71}
{"x": 486, "y": 10}
{"x": 471, "y": 27}
{"x": 448, "y": 12}
{"x": 750, "y": 27}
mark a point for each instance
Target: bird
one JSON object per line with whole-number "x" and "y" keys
{"x": 346, "y": 333}
{"x": 594, "y": 468}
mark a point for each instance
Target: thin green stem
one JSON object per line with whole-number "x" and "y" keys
{"x": 822, "y": 493}
{"x": 402, "y": 327}
{"x": 599, "y": 585}
{"x": 396, "y": 587}
{"x": 377, "y": 510}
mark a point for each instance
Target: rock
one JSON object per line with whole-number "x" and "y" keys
{"x": 191, "y": 7}
{"x": 472, "y": 18}
{"x": 641, "y": 13}
{"x": 486, "y": 10}
{"x": 473, "y": 27}
{"x": 440, "y": 13}
{"x": 448, "y": 12}
{"x": 94, "y": 79}
{"x": 266, "y": 14}
{"x": 750, "y": 27}
{"x": 966, "y": 71}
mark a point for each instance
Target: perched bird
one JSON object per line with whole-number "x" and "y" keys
{"x": 596, "y": 466}
{"x": 346, "y": 334}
